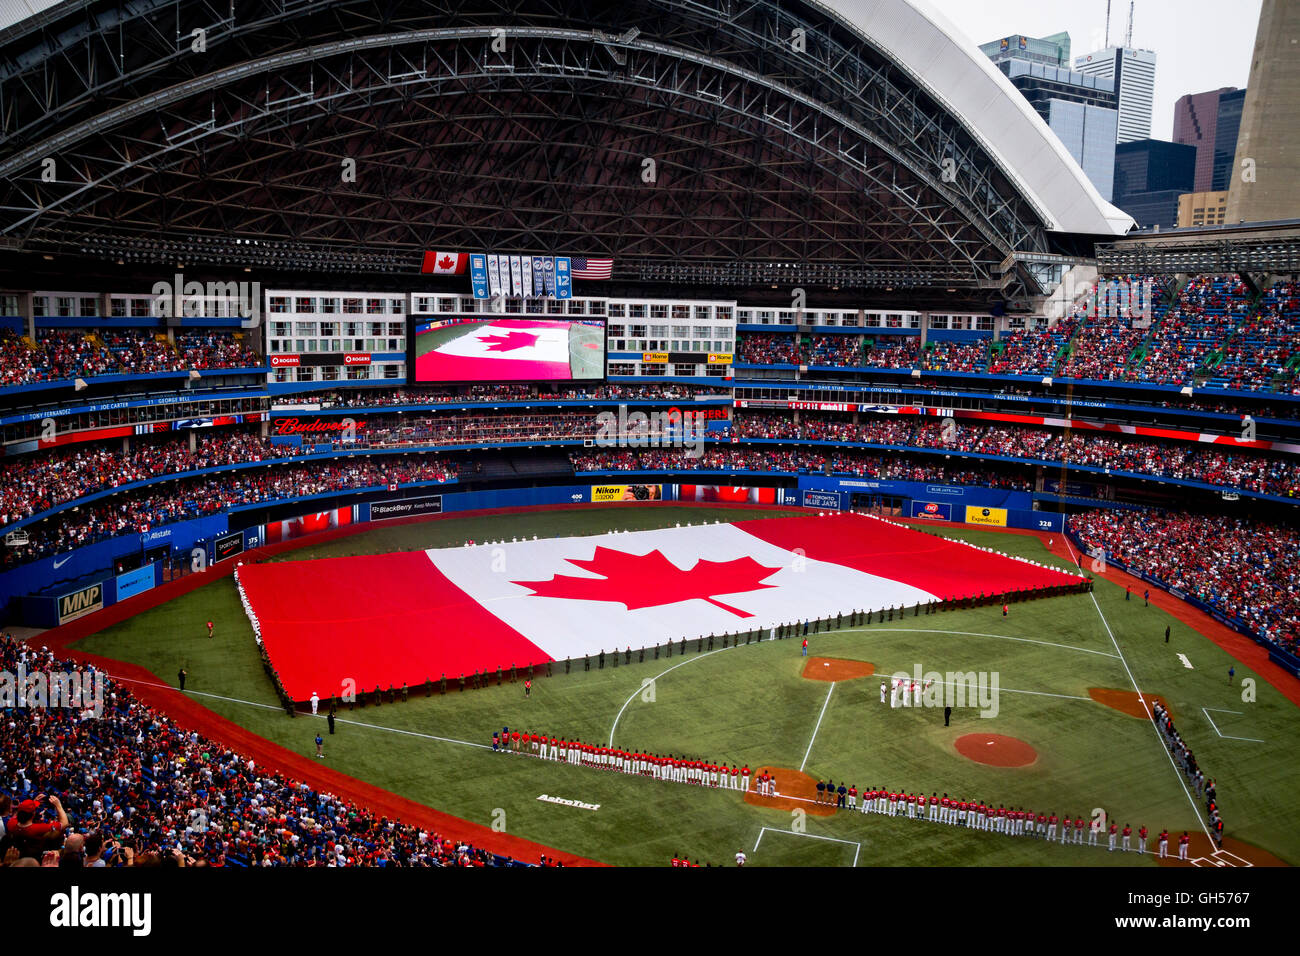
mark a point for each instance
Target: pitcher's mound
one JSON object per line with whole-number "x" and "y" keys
{"x": 1126, "y": 701}
{"x": 996, "y": 750}
{"x": 836, "y": 669}
{"x": 790, "y": 783}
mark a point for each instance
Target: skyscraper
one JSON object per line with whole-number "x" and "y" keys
{"x": 1081, "y": 110}
{"x": 1134, "y": 73}
{"x": 1196, "y": 120}
{"x": 1265, "y": 175}
{"x": 1225, "y": 137}
{"x": 1150, "y": 175}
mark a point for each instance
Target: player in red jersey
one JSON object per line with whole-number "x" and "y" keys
{"x": 1112, "y": 835}
{"x": 1078, "y": 830}
{"x": 1164, "y": 844}
{"x": 1051, "y": 826}
{"x": 1183, "y": 842}
{"x": 1128, "y": 836}
{"x": 1142, "y": 840}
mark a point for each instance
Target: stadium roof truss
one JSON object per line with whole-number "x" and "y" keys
{"x": 663, "y": 134}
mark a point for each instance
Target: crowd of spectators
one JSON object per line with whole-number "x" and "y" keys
{"x": 793, "y": 461}
{"x": 34, "y": 483}
{"x": 949, "y": 356}
{"x": 371, "y": 397}
{"x": 128, "y": 787}
{"x": 1206, "y": 311}
{"x": 184, "y": 498}
{"x": 1259, "y": 355}
{"x": 63, "y": 354}
{"x": 1034, "y": 351}
{"x": 1247, "y": 471}
{"x": 767, "y": 348}
{"x": 1247, "y": 570}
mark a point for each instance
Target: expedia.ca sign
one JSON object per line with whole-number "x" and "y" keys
{"x": 80, "y": 603}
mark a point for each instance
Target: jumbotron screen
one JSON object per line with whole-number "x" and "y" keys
{"x": 504, "y": 349}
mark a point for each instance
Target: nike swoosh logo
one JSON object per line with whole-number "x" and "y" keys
{"x": 58, "y": 564}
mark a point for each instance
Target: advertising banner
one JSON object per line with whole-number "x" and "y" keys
{"x": 996, "y": 517}
{"x": 405, "y": 507}
{"x": 937, "y": 510}
{"x": 228, "y": 545}
{"x": 601, "y": 493}
{"x": 80, "y": 603}
{"x": 135, "y": 582}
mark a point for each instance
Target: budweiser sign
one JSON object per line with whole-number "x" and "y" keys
{"x": 285, "y": 361}
{"x": 297, "y": 426}
{"x": 356, "y": 358}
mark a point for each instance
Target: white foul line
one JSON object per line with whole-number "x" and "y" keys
{"x": 1206, "y": 712}
{"x": 814, "y": 836}
{"x": 818, "y": 727}
{"x": 1150, "y": 717}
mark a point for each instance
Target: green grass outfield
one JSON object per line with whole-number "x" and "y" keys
{"x": 750, "y": 704}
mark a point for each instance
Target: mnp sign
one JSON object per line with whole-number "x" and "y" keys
{"x": 990, "y": 516}
{"x": 80, "y": 603}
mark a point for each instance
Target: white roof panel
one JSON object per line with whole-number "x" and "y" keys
{"x": 951, "y": 67}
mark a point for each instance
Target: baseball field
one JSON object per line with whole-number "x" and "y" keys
{"x": 1056, "y": 727}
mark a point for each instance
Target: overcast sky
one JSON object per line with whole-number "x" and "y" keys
{"x": 1200, "y": 44}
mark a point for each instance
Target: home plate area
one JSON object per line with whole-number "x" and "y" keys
{"x": 415, "y": 616}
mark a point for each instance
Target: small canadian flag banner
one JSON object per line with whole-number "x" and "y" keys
{"x": 445, "y": 263}
{"x": 457, "y": 610}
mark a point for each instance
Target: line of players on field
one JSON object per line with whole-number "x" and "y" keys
{"x": 1012, "y": 821}
{"x": 677, "y": 769}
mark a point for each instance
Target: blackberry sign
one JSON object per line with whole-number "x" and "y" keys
{"x": 405, "y": 507}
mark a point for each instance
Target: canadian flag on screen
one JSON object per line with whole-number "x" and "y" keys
{"x": 445, "y": 263}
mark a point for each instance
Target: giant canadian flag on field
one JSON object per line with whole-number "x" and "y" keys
{"x": 408, "y": 617}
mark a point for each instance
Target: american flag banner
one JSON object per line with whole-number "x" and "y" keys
{"x": 592, "y": 268}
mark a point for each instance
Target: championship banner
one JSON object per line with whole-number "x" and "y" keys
{"x": 539, "y": 287}
{"x": 478, "y": 275}
{"x": 548, "y": 275}
{"x": 563, "y": 278}
{"x": 601, "y": 493}
{"x": 516, "y": 280}
{"x": 495, "y": 286}
{"x": 526, "y": 266}
{"x": 996, "y": 517}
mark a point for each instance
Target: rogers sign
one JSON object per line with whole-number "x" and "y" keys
{"x": 285, "y": 361}
{"x": 356, "y": 358}
{"x": 296, "y": 426}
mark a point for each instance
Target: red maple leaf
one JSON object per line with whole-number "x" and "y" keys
{"x": 446, "y": 262}
{"x": 510, "y": 341}
{"x": 651, "y": 580}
